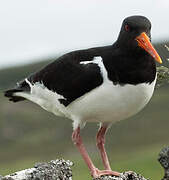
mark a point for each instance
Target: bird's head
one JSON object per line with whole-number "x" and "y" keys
{"x": 135, "y": 35}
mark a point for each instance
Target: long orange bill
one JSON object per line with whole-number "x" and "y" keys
{"x": 144, "y": 42}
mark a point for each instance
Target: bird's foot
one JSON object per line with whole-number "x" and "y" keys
{"x": 97, "y": 173}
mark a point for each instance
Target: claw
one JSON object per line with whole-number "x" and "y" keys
{"x": 97, "y": 173}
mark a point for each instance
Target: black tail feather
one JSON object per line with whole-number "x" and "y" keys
{"x": 12, "y": 97}
{"x": 21, "y": 86}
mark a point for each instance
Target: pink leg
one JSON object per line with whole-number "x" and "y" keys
{"x": 94, "y": 171}
{"x": 100, "y": 138}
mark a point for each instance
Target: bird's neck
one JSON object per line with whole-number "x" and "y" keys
{"x": 132, "y": 67}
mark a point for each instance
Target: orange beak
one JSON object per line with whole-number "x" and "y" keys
{"x": 144, "y": 42}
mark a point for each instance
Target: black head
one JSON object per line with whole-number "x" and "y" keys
{"x": 137, "y": 24}
{"x": 132, "y": 27}
{"x": 135, "y": 35}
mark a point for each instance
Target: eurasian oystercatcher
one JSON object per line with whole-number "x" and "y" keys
{"x": 102, "y": 84}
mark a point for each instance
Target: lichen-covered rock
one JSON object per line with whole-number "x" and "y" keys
{"x": 124, "y": 176}
{"x": 162, "y": 76}
{"x": 164, "y": 161}
{"x": 54, "y": 170}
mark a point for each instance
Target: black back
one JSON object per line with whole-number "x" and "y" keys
{"x": 67, "y": 77}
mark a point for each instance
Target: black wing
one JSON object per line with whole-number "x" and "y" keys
{"x": 67, "y": 76}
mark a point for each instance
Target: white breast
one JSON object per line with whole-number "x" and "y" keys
{"x": 109, "y": 102}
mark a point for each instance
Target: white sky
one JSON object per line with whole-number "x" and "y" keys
{"x": 34, "y": 29}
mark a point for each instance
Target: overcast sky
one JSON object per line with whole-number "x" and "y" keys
{"x": 34, "y": 29}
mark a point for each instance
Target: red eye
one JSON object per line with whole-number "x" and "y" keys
{"x": 127, "y": 28}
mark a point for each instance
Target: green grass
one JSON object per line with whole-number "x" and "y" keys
{"x": 143, "y": 161}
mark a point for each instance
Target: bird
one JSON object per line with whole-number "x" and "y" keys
{"x": 100, "y": 84}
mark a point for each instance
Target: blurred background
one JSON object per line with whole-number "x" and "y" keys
{"x": 33, "y": 34}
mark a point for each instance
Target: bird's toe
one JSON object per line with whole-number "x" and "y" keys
{"x": 98, "y": 173}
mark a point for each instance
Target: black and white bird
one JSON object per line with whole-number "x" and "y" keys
{"x": 102, "y": 84}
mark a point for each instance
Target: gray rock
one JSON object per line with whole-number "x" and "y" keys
{"x": 54, "y": 170}
{"x": 124, "y": 176}
{"x": 164, "y": 161}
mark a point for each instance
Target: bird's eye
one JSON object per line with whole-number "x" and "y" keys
{"x": 127, "y": 28}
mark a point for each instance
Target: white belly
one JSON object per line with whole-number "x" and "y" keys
{"x": 111, "y": 103}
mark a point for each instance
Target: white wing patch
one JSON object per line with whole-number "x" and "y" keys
{"x": 98, "y": 60}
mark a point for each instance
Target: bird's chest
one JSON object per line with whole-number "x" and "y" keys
{"x": 110, "y": 103}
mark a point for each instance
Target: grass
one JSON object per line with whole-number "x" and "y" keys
{"x": 143, "y": 161}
